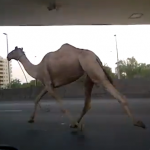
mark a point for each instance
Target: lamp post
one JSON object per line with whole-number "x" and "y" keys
{"x": 118, "y": 70}
{"x": 7, "y": 60}
{"x": 35, "y": 79}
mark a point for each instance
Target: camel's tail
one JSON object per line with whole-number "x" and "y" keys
{"x": 107, "y": 75}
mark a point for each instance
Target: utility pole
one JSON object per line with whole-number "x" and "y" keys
{"x": 118, "y": 69}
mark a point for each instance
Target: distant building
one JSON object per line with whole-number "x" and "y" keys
{"x": 4, "y": 75}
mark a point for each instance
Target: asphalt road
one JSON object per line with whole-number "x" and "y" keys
{"x": 106, "y": 126}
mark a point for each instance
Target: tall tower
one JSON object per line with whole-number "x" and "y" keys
{"x": 4, "y": 73}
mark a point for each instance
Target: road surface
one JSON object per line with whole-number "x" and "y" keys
{"x": 106, "y": 126}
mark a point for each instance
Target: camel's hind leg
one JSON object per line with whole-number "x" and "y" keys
{"x": 87, "y": 103}
{"x": 122, "y": 99}
{"x": 97, "y": 75}
{"x": 38, "y": 98}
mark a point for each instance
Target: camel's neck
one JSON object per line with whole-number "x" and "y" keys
{"x": 29, "y": 67}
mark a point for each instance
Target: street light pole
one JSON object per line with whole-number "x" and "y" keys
{"x": 35, "y": 79}
{"x": 118, "y": 70}
{"x": 7, "y": 60}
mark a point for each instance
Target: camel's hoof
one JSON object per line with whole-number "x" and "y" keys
{"x": 77, "y": 126}
{"x": 31, "y": 121}
{"x": 74, "y": 125}
{"x": 140, "y": 124}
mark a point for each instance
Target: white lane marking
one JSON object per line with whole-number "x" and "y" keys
{"x": 10, "y": 110}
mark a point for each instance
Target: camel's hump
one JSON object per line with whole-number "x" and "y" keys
{"x": 66, "y": 45}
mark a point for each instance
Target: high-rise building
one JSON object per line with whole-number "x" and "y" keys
{"x": 4, "y": 73}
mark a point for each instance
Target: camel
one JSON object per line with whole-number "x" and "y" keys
{"x": 64, "y": 66}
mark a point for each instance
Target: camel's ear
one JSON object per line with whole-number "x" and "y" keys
{"x": 22, "y": 49}
{"x": 16, "y": 47}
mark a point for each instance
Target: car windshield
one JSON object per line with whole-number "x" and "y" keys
{"x": 74, "y": 76}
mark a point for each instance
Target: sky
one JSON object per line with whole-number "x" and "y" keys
{"x": 132, "y": 40}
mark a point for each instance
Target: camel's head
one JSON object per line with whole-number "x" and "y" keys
{"x": 16, "y": 54}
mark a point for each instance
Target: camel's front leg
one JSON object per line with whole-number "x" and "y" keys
{"x": 38, "y": 98}
{"x": 51, "y": 91}
{"x": 87, "y": 103}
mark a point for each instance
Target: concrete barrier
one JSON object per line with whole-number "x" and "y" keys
{"x": 132, "y": 88}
